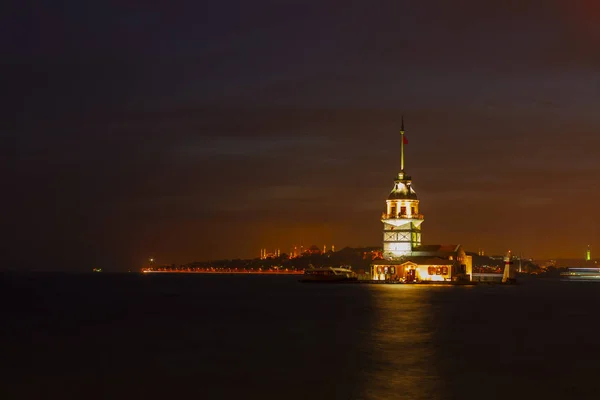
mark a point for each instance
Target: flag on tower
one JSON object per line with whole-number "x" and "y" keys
{"x": 404, "y": 139}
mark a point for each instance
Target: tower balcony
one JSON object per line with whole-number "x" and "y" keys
{"x": 401, "y": 216}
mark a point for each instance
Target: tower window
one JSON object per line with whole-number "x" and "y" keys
{"x": 412, "y": 210}
{"x": 402, "y": 210}
{"x": 393, "y": 210}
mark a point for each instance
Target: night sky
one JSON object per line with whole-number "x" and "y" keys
{"x": 201, "y": 130}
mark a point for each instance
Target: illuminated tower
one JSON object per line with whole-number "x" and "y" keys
{"x": 401, "y": 221}
{"x": 507, "y": 276}
{"x": 588, "y": 254}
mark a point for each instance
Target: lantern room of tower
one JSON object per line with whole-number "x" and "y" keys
{"x": 402, "y": 209}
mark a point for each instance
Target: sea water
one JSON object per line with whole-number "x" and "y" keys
{"x": 131, "y": 336}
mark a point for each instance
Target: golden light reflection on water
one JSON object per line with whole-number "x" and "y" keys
{"x": 401, "y": 349}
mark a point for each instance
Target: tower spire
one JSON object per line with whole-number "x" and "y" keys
{"x": 402, "y": 146}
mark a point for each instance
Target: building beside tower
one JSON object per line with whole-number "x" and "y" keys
{"x": 405, "y": 258}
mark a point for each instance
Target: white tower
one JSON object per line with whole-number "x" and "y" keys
{"x": 402, "y": 220}
{"x": 507, "y": 277}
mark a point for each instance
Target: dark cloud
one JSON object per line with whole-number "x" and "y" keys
{"x": 195, "y": 131}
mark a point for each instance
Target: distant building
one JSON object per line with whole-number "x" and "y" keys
{"x": 264, "y": 254}
{"x": 314, "y": 250}
{"x": 404, "y": 257}
{"x": 588, "y": 254}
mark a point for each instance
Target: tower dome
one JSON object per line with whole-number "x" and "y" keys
{"x": 403, "y": 189}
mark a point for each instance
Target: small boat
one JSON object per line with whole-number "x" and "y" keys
{"x": 329, "y": 275}
{"x": 581, "y": 274}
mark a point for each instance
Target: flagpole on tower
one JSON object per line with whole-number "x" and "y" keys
{"x": 402, "y": 145}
